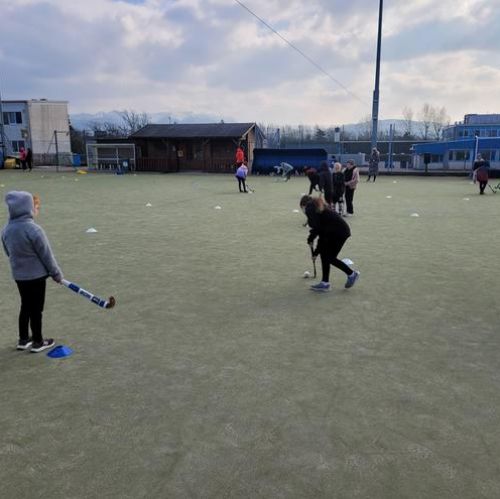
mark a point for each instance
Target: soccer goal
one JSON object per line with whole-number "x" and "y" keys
{"x": 114, "y": 157}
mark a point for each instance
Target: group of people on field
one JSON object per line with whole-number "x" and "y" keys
{"x": 336, "y": 186}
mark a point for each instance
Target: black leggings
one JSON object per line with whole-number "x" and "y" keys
{"x": 32, "y": 302}
{"x": 349, "y": 195}
{"x": 482, "y": 186}
{"x": 328, "y": 253}
{"x": 241, "y": 182}
{"x": 313, "y": 187}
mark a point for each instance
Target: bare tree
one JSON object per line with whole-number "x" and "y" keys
{"x": 408, "y": 121}
{"x": 133, "y": 121}
{"x": 365, "y": 128}
{"x": 107, "y": 129}
{"x": 441, "y": 119}
{"x": 426, "y": 116}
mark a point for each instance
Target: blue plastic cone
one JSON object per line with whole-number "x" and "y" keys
{"x": 60, "y": 352}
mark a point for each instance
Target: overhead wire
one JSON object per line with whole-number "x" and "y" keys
{"x": 294, "y": 47}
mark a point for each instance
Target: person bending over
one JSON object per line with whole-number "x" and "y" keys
{"x": 313, "y": 177}
{"x": 332, "y": 232}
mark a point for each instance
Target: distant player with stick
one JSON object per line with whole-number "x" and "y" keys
{"x": 32, "y": 261}
{"x": 286, "y": 171}
{"x": 241, "y": 177}
{"x": 332, "y": 231}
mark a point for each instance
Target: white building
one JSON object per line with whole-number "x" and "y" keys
{"x": 39, "y": 124}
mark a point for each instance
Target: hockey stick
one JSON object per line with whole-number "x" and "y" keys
{"x": 492, "y": 189}
{"x": 313, "y": 258}
{"x": 110, "y": 303}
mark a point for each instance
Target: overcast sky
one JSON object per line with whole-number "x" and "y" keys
{"x": 212, "y": 57}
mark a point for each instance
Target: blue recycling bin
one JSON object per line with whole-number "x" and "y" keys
{"x": 77, "y": 160}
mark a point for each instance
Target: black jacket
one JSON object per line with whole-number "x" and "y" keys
{"x": 325, "y": 182}
{"x": 480, "y": 163}
{"x": 327, "y": 225}
{"x": 338, "y": 184}
{"x": 313, "y": 176}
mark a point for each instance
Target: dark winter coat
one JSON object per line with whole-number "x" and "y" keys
{"x": 327, "y": 225}
{"x": 481, "y": 167}
{"x": 374, "y": 161}
{"x": 338, "y": 184}
{"x": 325, "y": 182}
{"x": 313, "y": 176}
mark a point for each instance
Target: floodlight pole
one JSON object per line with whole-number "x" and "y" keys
{"x": 377, "y": 78}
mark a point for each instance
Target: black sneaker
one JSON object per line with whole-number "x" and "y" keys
{"x": 24, "y": 344}
{"x": 40, "y": 347}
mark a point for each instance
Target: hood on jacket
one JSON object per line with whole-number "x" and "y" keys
{"x": 20, "y": 203}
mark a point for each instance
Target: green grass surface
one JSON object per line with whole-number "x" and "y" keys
{"x": 220, "y": 375}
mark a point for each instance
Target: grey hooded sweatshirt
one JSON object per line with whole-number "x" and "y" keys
{"x": 25, "y": 242}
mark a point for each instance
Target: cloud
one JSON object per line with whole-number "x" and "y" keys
{"x": 213, "y": 57}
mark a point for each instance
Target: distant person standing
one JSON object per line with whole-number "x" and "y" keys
{"x": 29, "y": 159}
{"x": 241, "y": 176}
{"x": 313, "y": 177}
{"x": 325, "y": 183}
{"x": 240, "y": 156}
{"x": 22, "y": 157}
{"x": 373, "y": 164}
{"x": 480, "y": 169}
{"x": 351, "y": 175}
{"x": 338, "y": 181}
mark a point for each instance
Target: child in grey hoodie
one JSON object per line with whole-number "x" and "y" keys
{"x": 31, "y": 262}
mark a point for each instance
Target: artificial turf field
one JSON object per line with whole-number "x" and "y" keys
{"x": 220, "y": 375}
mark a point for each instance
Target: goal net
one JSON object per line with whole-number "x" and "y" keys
{"x": 111, "y": 156}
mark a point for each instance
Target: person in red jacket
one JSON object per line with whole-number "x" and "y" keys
{"x": 22, "y": 157}
{"x": 240, "y": 156}
{"x": 480, "y": 169}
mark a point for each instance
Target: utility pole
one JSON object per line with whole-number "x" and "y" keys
{"x": 377, "y": 78}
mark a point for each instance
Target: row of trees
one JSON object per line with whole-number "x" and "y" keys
{"x": 427, "y": 124}
{"x": 432, "y": 121}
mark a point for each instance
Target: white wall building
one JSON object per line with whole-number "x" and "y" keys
{"x": 42, "y": 125}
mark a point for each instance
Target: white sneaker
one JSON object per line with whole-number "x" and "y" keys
{"x": 24, "y": 345}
